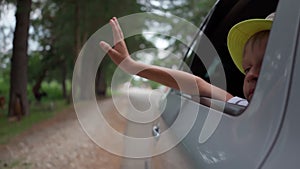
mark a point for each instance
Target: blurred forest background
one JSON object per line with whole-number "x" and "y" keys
{"x": 41, "y": 39}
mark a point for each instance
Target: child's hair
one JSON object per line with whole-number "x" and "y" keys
{"x": 241, "y": 32}
{"x": 257, "y": 37}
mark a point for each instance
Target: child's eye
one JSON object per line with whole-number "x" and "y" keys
{"x": 246, "y": 70}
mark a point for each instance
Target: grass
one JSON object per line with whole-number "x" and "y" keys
{"x": 38, "y": 113}
{"x": 15, "y": 164}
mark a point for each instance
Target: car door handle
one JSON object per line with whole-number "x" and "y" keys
{"x": 156, "y": 131}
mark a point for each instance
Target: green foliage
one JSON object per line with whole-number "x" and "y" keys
{"x": 54, "y": 90}
{"x": 4, "y": 91}
{"x": 15, "y": 163}
{"x": 35, "y": 66}
{"x": 61, "y": 25}
{"x": 191, "y": 10}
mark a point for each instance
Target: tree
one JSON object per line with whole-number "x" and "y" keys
{"x": 18, "y": 101}
{"x": 83, "y": 19}
{"x": 64, "y": 26}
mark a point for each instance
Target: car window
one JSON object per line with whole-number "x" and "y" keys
{"x": 209, "y": 58}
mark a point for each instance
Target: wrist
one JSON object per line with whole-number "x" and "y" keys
{"x": 128, "y": 65}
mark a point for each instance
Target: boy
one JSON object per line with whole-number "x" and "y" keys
{"x": 246, "y": 43}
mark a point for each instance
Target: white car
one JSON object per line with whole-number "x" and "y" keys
{"x": 265, "y": 135}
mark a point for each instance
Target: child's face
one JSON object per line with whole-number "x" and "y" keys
{"x": 252, "y": 60}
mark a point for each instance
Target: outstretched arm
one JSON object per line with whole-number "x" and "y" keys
{"x": 183, "y": 81}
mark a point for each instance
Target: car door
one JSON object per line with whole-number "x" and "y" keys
{"x": 228, "y": 140}
{"x": 285, "y": 149}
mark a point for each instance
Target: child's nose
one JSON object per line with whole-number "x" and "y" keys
{"x": 253, "y": 74}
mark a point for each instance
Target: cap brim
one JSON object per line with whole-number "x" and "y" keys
{"x": 240, "y": 34}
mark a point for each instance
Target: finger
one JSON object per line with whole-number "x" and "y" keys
{"x": 119, "y": 28}
{"x": 115, "y": 31}
{"x": 107, "y": 48}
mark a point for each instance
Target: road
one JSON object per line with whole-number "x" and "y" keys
{"x": 62, "y": 142}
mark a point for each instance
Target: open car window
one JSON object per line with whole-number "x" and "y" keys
{"x": 208, "y": 56}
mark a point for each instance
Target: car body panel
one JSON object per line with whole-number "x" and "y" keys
{"x": 246, "y": 141}
{"x": 285, "y": 150}
{"x": 266, "y": 134}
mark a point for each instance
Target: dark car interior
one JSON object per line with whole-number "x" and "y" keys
{"x": 216, "y": 26}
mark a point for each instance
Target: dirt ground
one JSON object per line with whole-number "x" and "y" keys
{"x": 60, "y": 143}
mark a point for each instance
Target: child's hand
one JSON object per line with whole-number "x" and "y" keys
{"x": 119, "y": 52}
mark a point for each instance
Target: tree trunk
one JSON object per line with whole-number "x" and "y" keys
{"x": 18, "y": 101}
{"x": 77, "y": 29}
{"x": 100, "y": 85}
{"x": 36, "y": 89}
{"x": 63, "y": 80}
{"x": 80, "y": 38}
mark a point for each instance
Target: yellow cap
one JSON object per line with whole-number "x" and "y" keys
{"x": 240, "y": 33}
